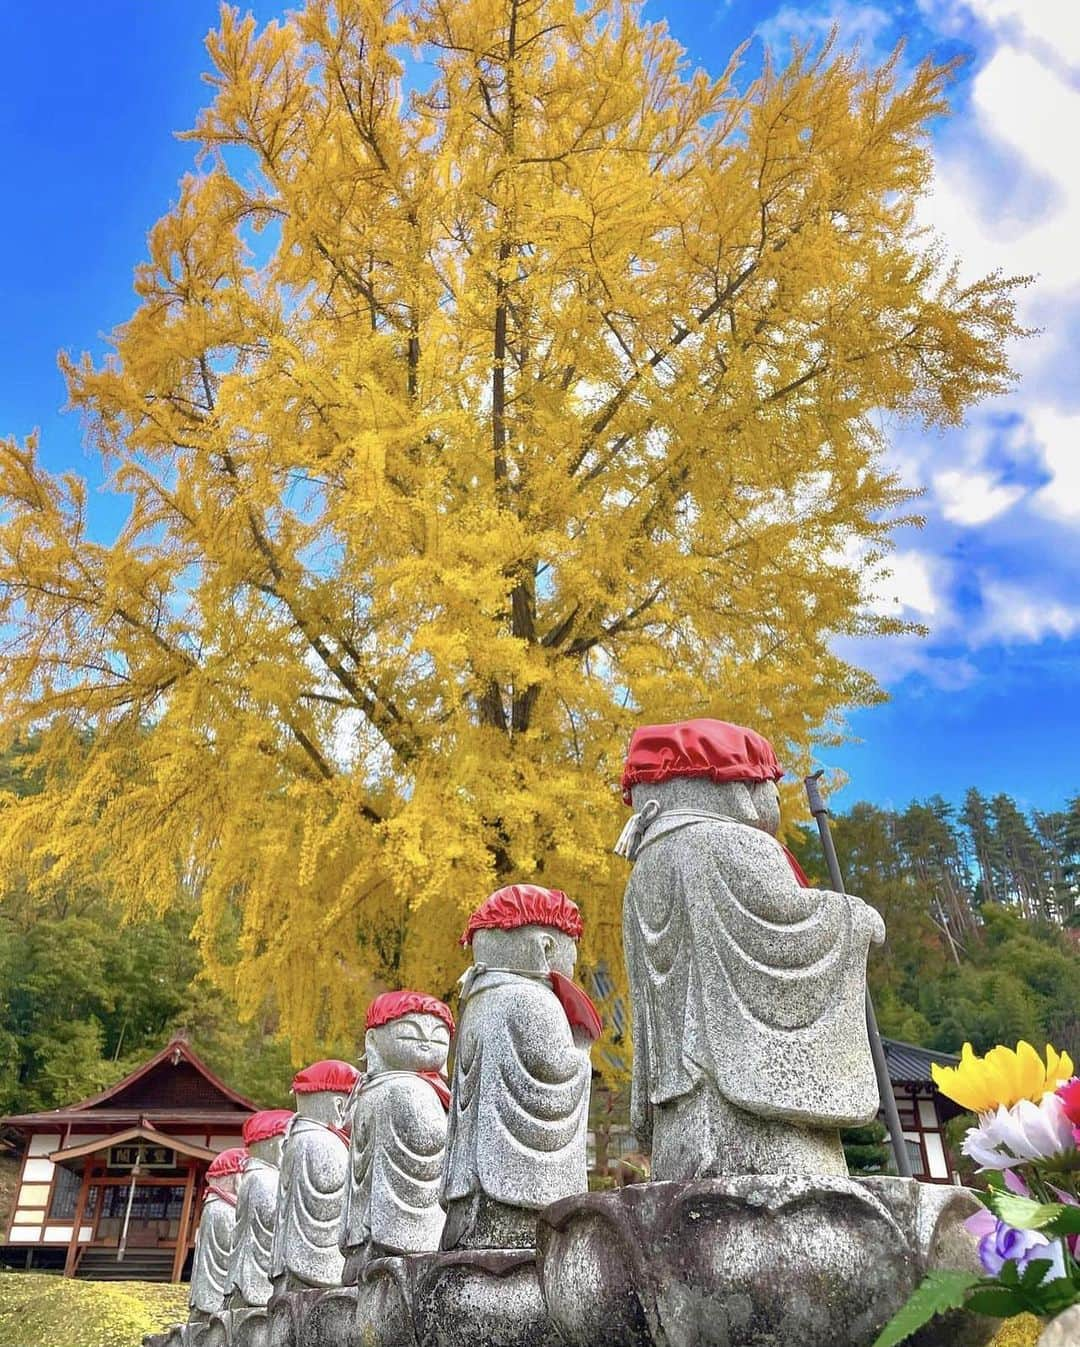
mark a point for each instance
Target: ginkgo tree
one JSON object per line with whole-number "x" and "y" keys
{"x": 497, "y": 383}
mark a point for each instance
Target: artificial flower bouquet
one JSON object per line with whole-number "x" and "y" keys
{"x": 1027, "y": 1143}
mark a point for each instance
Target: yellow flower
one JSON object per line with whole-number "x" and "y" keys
{"x": 1023, "y": 1331}
{"x": 1003, "y": 1076}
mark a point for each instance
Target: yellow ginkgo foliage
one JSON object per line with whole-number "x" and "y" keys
{"x": 497, "y": 383}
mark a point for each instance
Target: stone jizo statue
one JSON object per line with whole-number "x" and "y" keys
{"x": 314, "y": 1169}
{"x": 397, "y": 1117}
{"x": 747, "y": 986}
{"x": 256, "y": 1210}
{"x": 214, "y": 1237}
{"x": 520, "y": 1087}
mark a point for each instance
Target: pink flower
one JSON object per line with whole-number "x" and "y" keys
{"x": 1069, "y": 1094}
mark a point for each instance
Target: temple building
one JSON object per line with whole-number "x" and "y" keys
{"x": 111, "y": 1186}
{"x": 923, "y": 1109}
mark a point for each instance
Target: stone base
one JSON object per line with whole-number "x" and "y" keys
{"x": 237, "y": 1328}
{"x": 490, "y": 1296}
{"x": 748, "y": 1261}
{"x": 176, "y": 1336}
{"x": 751, "y": 1261}
{"x": 386, "y": 1294}
{"x": 287, "y": 1313}
{"x": 329, "y": 1319}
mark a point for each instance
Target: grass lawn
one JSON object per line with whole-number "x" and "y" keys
{"x": 41, "y": 1310}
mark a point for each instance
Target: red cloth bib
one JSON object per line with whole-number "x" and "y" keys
{"x": 439, "y": 1084}
{"x": 579, "y": 1009}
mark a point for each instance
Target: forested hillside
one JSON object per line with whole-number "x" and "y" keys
{"x": 981, "y": 905}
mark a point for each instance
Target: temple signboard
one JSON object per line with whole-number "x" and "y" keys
{"x": 145, "y": 1157}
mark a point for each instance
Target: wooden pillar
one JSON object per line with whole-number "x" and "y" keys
{"x": 185, "y": 1224}
{"x": 72, "y": 1260}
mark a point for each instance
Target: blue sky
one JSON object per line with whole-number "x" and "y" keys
{"x": 94, "y": 93}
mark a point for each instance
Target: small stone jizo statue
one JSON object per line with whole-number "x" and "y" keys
{"x": 520, "y": 1087}
{"x": 314, "y": 1169}
{"x": 397, "y": 1117}
{"x": 248, "y": 1283}
{"x": 214, "y": 1237}
{"x": 747, "y": 986}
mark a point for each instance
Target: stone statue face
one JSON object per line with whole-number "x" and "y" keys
{"x": 536, "y": 949}
{"x": 411, "y": 1043}
{"x": 325, "y": 1106}
{"x": 269, "y": 1150}
{"x": 766, "y": 801}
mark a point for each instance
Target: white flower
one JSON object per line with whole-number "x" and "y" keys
{"x": 1024, "y": 1132}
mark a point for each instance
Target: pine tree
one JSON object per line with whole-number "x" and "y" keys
{"x": 475, "y": 409}
{"x": 975, "y": 817}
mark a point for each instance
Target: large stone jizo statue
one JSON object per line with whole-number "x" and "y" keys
{"x": 256, "y": 1210}
{"x": 397, "y": 1117}
{"x": 520, "y": 1086}
{"x": 214, "y": 1237}
{"x": 314, "y": 1170}
{"x": 747, "y": 986}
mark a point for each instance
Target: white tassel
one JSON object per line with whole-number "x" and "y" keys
{"x": 633, "y": 834}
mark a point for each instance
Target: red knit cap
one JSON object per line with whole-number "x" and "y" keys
{"x": 395, "y": 1005}
{"x": 709, "y": 748}
{"x": 326, "y": 1075}
{"x": 525, "y": 905}
{"x": 231, "y": 1161}
{"x": 271, "y": 1122}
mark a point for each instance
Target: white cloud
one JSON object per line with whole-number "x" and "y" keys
{"x": 858, "y": 25}
{"x": 1057, "y": 437}
{"x": 973, "y": 498}
{"x": 893, "y": 661}
{"x": 1052, "y": 25}
{"x": 1014, "y": 614}
{"x": 1006, "y": 193}
{"x": 911, "y": 584}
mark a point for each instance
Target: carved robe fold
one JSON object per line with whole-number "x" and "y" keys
{"x": 741, "y": 977}
{"x": 395, "y": 1165}
{"x": 213, "y": 1246}
{"x": 253, "y": 1238}
{"x": 520, "y": 1095}
{"x": 314, "y": 1170}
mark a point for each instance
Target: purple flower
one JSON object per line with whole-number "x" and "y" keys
{"x": 1003, "y": 1244}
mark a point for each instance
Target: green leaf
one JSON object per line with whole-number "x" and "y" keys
{"x": 1066, "y": 1222}
{"x": 940, "y": 1290}
{"x": 1009, "y": 1274}
{"x": 999, "y": 1301}
{"x": 1052, "y": 1297}
{"x": 1035, "y": 1272}
{"x": 1023, "y": 1213}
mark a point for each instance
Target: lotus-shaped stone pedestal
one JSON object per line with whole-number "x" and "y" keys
{"x": 489, "y": 1296}
{"x": 751, "y": 1261}
{"x": 237, "y": 1328}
